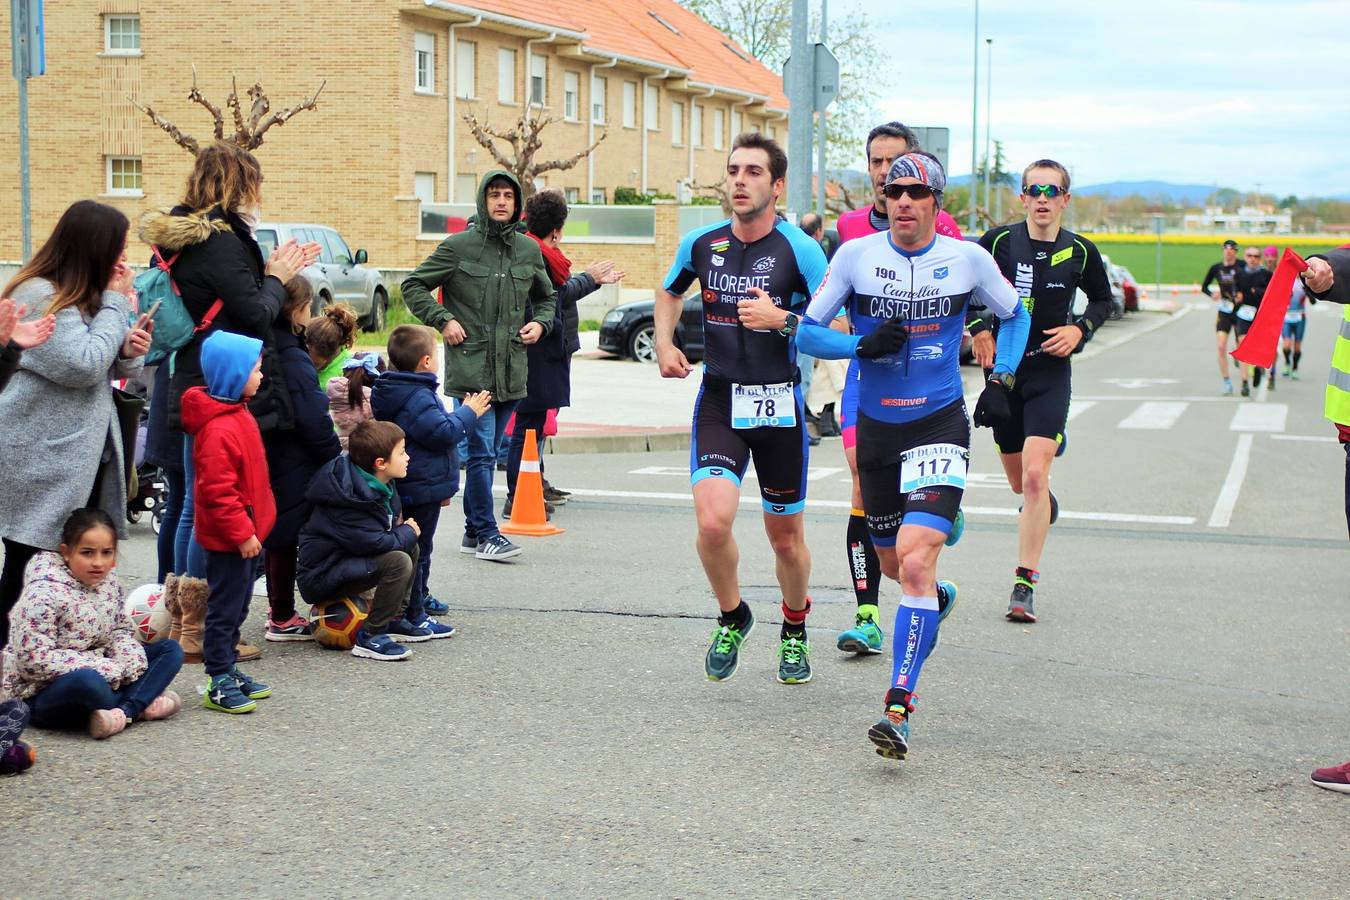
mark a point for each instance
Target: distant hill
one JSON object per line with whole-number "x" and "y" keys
{"x": 1151, "y": 190}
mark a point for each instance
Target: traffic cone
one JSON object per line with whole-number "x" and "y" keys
{"x": 527, "y": 509}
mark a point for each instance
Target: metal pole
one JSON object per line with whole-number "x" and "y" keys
{"x": 974, "y": 114}
{"x": 988, "y": 88}
{"x": 800, "y": 66}
{"x": 820, "y": 123}
{"x": 25, "y": 185}
{"x": 1157, "y": 261}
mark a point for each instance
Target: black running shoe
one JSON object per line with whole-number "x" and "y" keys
{"x": 1020, "y": 604}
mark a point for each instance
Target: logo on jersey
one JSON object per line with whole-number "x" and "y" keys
{"x": 1061, "y": 256}
{"x": 926, "y": 351}
{"x": 1040, "y": 254}
{"x": 1054, "y": 284}
{"x": 718, "y": 261}
{"x": 710, "y": 296}
{"x": 779, "y": 509}
{"x": 716, "y": 473}
{"x": 1022, "y": 282}
{"x": 721, "y": 245}
{"x": 940, "y": 273}
{"x": 763, "y": 265}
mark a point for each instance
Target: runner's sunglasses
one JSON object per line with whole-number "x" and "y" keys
{"x": 1043, "y": 190}
{"x": 913, "y": 191}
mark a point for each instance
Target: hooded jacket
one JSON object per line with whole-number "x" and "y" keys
{"x": 233, "y": 491}
{"x": 408, "y": 399}
{"x": 350, "y": 526}
{"x": 218, "y": 258}
{"x": 494, "y": 282}
{"x": 59, "y": 625}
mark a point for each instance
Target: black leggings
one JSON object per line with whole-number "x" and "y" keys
{"x": 11, "y": 581}
{"x": 523, "y": 421}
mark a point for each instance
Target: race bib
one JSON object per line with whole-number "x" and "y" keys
{"x": 1225, "y": 306}
{"x": 763, "y": 405}
{"x": 1294, "y": 316}
{"x": 934, "y": 465}
{"x": 1247, "y": 313}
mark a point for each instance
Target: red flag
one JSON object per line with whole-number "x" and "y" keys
{"x": 1262, "y": 340}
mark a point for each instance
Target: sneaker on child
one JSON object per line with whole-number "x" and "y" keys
{"x": 296, "y": 628}
{"x": 223, "y": 694}
{"x": 407, "y": 632}
{"x": 378, "y": 647}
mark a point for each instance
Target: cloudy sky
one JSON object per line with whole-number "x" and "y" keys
{"x": 1239, "y": 93}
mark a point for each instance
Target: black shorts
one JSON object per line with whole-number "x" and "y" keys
{"x": 880, "y": 445}
{"x": 1039, "y": 402}
{"x": 1225, "y": 322}
{"x": 1242, "y": 325}
{"x": 719, "y": 451}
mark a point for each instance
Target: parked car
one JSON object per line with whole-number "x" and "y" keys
{"x": 1117, "y": 287}
{"x": 338, "y": 275}
{"x": 1134, "y": 292}
{"x": 630, "y": 330}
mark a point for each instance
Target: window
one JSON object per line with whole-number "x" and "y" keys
{"x": 695, "y": 124}
{"x": 672, "y": 28}
{"x": 573, "y": 194}
{"x": 571, "y": 95}
{"x": 677, "y": 123}
{"x": 630, "y": 104}
{"x": 424, "y": 62}
{"x": 466, "y": 69}
{"x": 424, "y": 186}
{"x": 735, "y": 123}
{"x": 122, "y": 35}
{"x": 538, "y": 79}
{"x": 719, "y": 139}
{"x": 124, "y": 175}
{"x": 598, "y": 195}
{"x": 466, "y": 187}
{"x": 773, "y": 133}
{"x": 599, "y": 87}
{"x": 337, "y": 247}
{"x": 651, "y": 108}
{"x": 315, "y": 235}
{"x": 506, "y": 76}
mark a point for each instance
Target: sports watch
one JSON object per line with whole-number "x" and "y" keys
{"x": 1004, "y": 378}
{"x": 790, "y": 325}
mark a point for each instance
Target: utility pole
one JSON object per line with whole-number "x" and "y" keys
{"x": 988, "y": 102}
{"x": 974, "y": 114}
{"x": 800, "y": 80}
{"x": 820, "y": 122}
{"x": 29, "y": 59}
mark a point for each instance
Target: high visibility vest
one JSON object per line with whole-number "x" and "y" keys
{"x": 1337, "y": 407}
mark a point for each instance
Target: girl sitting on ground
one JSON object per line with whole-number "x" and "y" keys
{"x": 72, "y": 653}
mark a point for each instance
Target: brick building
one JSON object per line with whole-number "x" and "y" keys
{"x": 671, "y": 90}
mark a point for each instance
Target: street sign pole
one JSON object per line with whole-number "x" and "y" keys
{"x": 821, "y": 125}
{"x": 27, "y": 49}
{"x": 799, "y": 84}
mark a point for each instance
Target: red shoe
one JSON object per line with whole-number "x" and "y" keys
{"x": 1333, "y": 778}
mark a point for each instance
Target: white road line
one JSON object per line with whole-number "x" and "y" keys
{"x": 1078, "y": 407}
{"x": 1154, "y": 415}
{"x": 1232, "y": 485}
{"x": 1137, "y": 398}
{"x": 1260, "y": 417}
{"x": 1130, "y": 518}
{"x": 1319, "y": 438}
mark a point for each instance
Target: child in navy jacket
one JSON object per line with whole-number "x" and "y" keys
{"x": 406, "y": 395}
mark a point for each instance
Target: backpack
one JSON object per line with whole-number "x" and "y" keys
{"x": 174, "y": 327}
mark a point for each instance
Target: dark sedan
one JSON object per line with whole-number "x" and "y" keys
{"x": 630, "y": 330}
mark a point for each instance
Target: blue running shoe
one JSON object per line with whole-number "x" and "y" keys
{"x": 891, "y": 733}
{"x": 958, "y": 529}
{"x": 408, "y": 632}
{"x": 865, "y": 637}
{"x": 724, "y": 654}
{"x": 436, "y": 629}
{"x": 250, "y": 688}
{"x": 435, "y": 607}
{"x": 379, "y": 647}
{"x": 223, "y": 694}
{"x": 946, "y": 602}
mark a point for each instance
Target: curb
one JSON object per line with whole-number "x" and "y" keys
{"x": 630, "y": 442}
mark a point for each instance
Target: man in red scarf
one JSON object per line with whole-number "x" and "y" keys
{"x": 549, "y": 378}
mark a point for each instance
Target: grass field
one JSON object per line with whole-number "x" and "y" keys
{"x": 1186, "y": 263}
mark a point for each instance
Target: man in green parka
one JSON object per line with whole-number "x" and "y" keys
{"x": 496, "y": 300}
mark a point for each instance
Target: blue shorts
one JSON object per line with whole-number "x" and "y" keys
{"x": 1295, "y": 330}
{"x": 719, "y": 451}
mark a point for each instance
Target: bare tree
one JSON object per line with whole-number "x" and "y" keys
{"x": 248, "y": 130}
{"x": 525, "y": 143}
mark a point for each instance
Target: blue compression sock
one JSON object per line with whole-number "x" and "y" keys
{"x": 916, "y": 621}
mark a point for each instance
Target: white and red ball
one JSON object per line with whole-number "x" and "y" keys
{"x": 149, "y": 615}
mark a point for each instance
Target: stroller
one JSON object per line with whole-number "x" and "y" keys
{"x": 150, "y": 485}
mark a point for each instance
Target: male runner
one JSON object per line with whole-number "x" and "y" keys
{"x": 1225, "y": 273}
{"x": 1295, "y": 325}
{"x": 1046, "y": 264}
{"x": 1251, "y": 289}
{"x": 757, "y": 272}
{"x": 906, "y": 292}
{"x": 884, "y": 144}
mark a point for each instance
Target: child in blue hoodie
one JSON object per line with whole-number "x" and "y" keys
{"x": 406, "y": 395}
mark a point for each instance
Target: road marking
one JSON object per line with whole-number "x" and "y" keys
{"x": 1134, "y": 384}
{"x": 1260, "y": 417}
{"x": 1232, "y": 485}
{"x": 812, "y": 473}
{"x": 1154, "y": 415}
{"x": 1319, "y": 438}
{"x": 1217, "y": 398}
{"x": 1078, "y": 407}
{"x": 1009, "y": 511}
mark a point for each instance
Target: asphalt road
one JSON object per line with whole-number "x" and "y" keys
{"x": 1152, "y": 735}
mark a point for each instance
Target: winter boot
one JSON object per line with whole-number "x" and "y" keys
{"x": 190, "y": 596}
{"x": 171, "y": 604}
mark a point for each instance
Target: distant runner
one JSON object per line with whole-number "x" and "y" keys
{"x": 1225, "y": 273}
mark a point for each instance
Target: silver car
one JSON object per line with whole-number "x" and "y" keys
{"x": 338, "y": 276}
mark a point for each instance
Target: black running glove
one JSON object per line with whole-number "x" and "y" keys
{"x": 888, "y": 338}
{"x": 992, "y": 408}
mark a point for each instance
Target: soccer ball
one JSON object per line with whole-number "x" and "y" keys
{"x": 149, "y": 615}
{"x": 336, "y": 623}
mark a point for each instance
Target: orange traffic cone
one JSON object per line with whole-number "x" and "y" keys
{"x": 527, "y": 509}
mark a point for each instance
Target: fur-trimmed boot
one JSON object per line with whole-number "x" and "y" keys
{"x": 171, "y": 604}
{"x": 190, "y": 597}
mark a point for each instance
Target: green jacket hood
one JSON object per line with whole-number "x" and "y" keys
{"x": 484, "y": 223}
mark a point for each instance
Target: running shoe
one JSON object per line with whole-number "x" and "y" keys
{"x": 1288, "y": 371}
{"x": 1257, "y": 376}
{"x": 1228, "y": 387}
{"x": 891, "y": 733}
{"x": 468, "y": 543}
{"x": 296, "y": 628}
{"x": 958, "y": 528}
{"x": 865, "y": 637}
{"x": 1020, "y": 604}
{"x": 1333, "y": 778}
{"x": 497, "y": 549}
{"x": 379, "y": 647}
{"x": 724, "y": 654}
{"x": 406, "y": 632}
{"x": 223, "y": 694}
{"x": 946, "y": 603}
{"x": 435, "y": 629}
{"x": 559, "y": 492}
{"x": 1246, "y": 389}
{"x": 794, "y": 661}
{"x": 14, "y": 715}
{"x": 549, "y": 509}
{"x": 1294, "y": 375}
{"x": 249, "y": 687}
{"x": 435, "y": 607}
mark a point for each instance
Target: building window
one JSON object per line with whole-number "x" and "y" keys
{"x": 695, "y": 124}
{"x": 506, "y": 76}
{"x": 735, "y": 123}
{"x": 599, "y": 87}
{"x": 124, "y": 175}
{"x": 571, "y": 95}
{"x": 538, "y": 80}
{"x": 719, "y": 138}
{"x": 573, "y": 194}
{"x": 677, "y": 123}
{"x": 466, "y": 69}
{"x": 424, "y": 62}
{"x": 630, "y": 104}
{"x": 424, "y": 186}
{"x": 466, "y": 187}
{"x": 598, "y": 196}
{"x": 122, "y": 35}
{"x": 651, "y": 108}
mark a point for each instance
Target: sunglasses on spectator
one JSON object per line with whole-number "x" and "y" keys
{"x": 912, "y": 191}
{"x": 1043, "y": 190}
{"x": 1253, "y": 255}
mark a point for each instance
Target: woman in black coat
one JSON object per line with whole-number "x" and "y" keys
{"x": 549, "y": 372}
{"x": 293, "y": 456}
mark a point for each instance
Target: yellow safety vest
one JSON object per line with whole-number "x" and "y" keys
{"x": 1338, "y": 383}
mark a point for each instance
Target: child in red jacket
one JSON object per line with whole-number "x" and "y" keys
{"x": 235, "y": 509}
